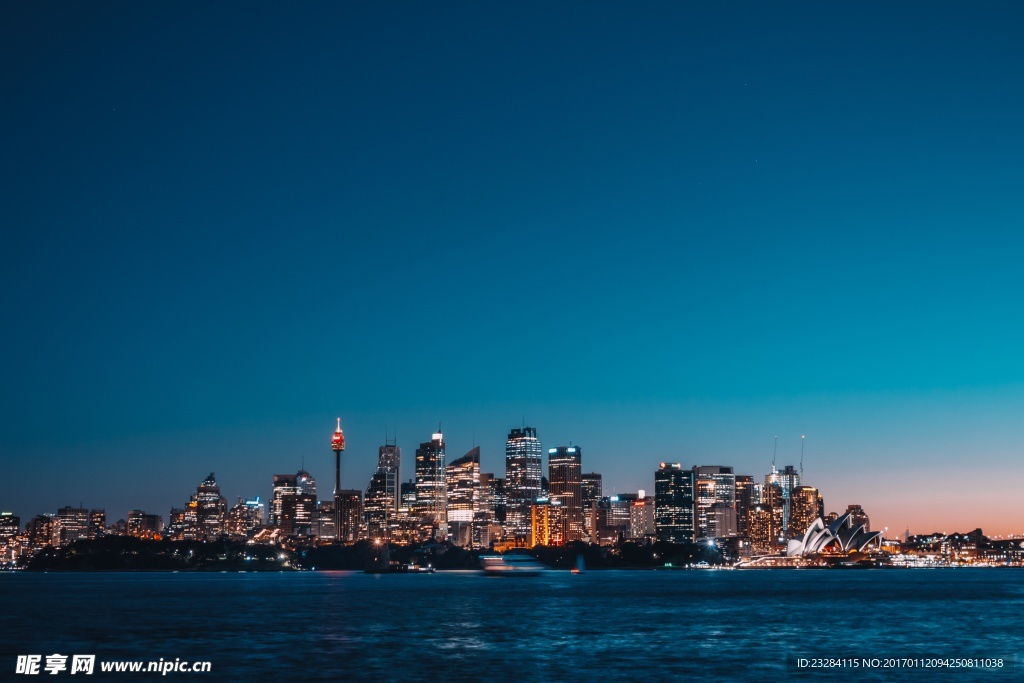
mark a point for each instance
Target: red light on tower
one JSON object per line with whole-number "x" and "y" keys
{"x": 338, "y": 440}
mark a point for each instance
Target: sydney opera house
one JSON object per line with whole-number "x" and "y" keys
{"x": 842, "y": 535}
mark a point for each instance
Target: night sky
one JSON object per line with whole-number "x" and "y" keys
{"x": 670, "y": 232}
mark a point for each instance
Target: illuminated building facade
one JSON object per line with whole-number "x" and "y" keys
{"x": 565, "y": 485}
{"x": 787, "y": 480}
{"x": 72, "y": 524}
{"x": 143, "y": 525}
{"x": 714, "y": 485}
{"x": 245, "y": 517}
{"x": 673, "y": 503}
{"x": 721, "y": 520}
{"x": 380, "y": 506}
{"x": 547, "y": 522}
{"x": 326, "y": 521}
{"x": 523, "y": 456}
{"x": 641, "y": 519}
{"x": 761, "y": 529}
{"x": 211, "y": 509}
{"x": 431, "y": 490}
{"x": 348, "y": 507}
{"x": 298, "y": 514}
{"x": 97, "y": 523}
{"x": 284, "y": 485}
{"x": 805, "y": 506}
{"x": 745, "y": 497}
{"x": 590, "y": 493}
{"x": 10, "y": 525}
{"x": 463, "y": 499}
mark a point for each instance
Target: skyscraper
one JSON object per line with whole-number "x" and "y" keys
{"x": 284, "y": 484}
{"x": 523, "y": 455}
{"x": 590, "y": 493}
{"x": 788, "y": 479}
{"x": 565, "y": 486}
{"x": 431, "y": 492}
{"x": 673, "y": 503}
{"x": 806, "y": 505}
{"x": 714, "y": 485}
{"x": 210, "y": 508}
{"x": 72, "y": 524}
{"x": 463, "y": 481}
{"x": 744, "y": 500}
{"x": 382, "y": 494}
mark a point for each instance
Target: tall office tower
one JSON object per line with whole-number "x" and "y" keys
{"x": 348, "y": 512}
{"x": 497, "y": 486}
{"x": 713, "y": 484}
{"x": 744, "y": 499}
{"x": 673, "y": 503}
{"x": 761, "y": 529}
{"x": 774, "y": 501}
{"x": 305, "y": 483}
{"x": 326, "y": 520}
{"x": 523, "y": 455}
{"x": 566, "y": 486}
{"x": 858, "y": 516}
{"x": 485, "y": 527}
{"x": 72, "y": 524}
{"x": 383, "y": 492}
{"x": 463, "y": 481}
{"x": 431, "y": 492}
{"x": 97, "y": 523}
{"x": 143, "y": 525}
{"x": 284, "y": 485}
{"x": 788, "y": 479}
{"x": 805, "y": 506}
{"x": 211, "y": 509}
{"x": 590, "y": 493}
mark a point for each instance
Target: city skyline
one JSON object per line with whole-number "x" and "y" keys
{"x": 665, "y": 235}
{"x": 960, "y": 522}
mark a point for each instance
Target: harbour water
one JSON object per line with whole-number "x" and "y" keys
{"x": 463, "y": 626}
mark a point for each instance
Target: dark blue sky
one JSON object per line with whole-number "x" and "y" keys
{"x": 666, "y": 232}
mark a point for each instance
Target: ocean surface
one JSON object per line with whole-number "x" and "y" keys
{"x": 463, "y": 626}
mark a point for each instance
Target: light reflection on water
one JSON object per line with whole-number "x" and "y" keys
{"x": 464, "y": 626}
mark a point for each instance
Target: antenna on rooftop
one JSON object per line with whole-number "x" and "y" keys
{"x": 774, "y": 451}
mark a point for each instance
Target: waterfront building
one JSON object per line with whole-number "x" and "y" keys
{"x": 382, "y": 500}
{"x": 284, "y": 485}
{"x": 806, "y": 505}
{"x": 431, "y": 491}
{"x": 348, "y": 509}
{"x": 565, "y": 477}
{"x": 463, "y": 498}
{"x": 714, "y": 484}
{"x": 673, "y": 503}
{"x": 97, "y": 523}
{"x": 787, "y": 480}
{"x": 591, "y": 490}
{"x": 523, "y": 456}
{"x": 211, "y": 509}
{"x": 298, "y": 514}
{"x": 72, "y": 524}
{"x": 745, "y": 493}
{"x": 42, "y": 531}
{"x": 547, "y": 522}
{"x": 761, "y": 529}
{"x": 641, "y": 519}
{"x": 326, "y": 529}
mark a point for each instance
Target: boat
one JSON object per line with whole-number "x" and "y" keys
{"x": 580, "y": 567}
{"x": 511, "y": 565}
